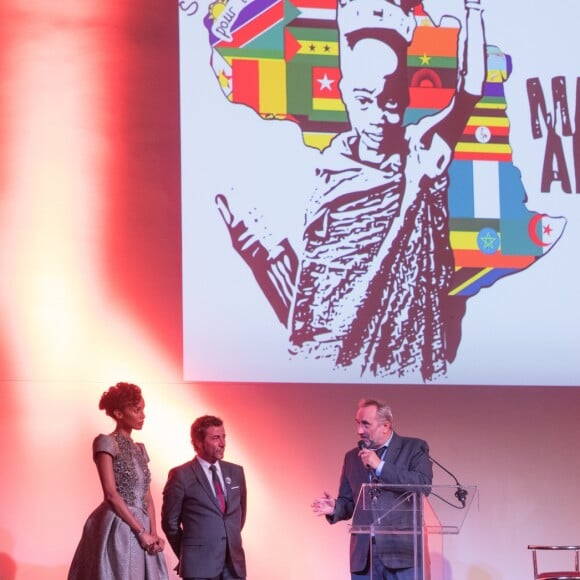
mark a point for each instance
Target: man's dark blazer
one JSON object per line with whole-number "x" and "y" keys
{"x": 199, "y": 533}
{"x": 406, "y": 462}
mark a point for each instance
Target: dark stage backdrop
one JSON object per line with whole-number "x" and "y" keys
{"x": 91, "y": 293}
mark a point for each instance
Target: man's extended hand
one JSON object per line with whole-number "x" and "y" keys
{"x": 324, "y": 505}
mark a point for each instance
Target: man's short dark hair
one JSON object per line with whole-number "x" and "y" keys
{"x": 200, "y": 426}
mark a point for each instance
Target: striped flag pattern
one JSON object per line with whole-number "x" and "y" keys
{"x": 282, "y": 61}
{"x": 493, "y": 234}
{"x": 281, "y": 58}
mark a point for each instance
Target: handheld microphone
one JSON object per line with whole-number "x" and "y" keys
{"x": 364, "y": 444}
{"x": 374, "y": 491}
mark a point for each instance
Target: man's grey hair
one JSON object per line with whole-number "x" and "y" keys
{"x": 384, "y": 412}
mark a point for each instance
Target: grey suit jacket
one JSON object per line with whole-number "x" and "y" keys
{"x": 199, "y": 533}
{"x": 406, "y": 462}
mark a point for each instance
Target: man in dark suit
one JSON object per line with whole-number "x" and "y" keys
{"x": 204, "y": 508}
{"x": 381, "y": 457}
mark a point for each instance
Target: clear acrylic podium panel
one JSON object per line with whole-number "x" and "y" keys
{"x": 415, "y": 518}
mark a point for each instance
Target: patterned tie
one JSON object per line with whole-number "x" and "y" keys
{"x": 380, "y": 451}
{"x": 218, "y": 488}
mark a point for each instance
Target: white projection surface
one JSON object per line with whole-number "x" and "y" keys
{"x": 376, "y": 193}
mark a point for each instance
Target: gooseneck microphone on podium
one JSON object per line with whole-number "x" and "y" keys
{"x": 461, "y": 492}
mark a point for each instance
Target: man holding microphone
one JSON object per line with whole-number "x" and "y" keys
{"x": 382, "y": 457}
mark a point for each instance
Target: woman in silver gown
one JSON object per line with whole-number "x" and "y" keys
{"x": 119, "y": 539}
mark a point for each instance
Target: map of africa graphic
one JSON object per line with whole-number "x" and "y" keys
{"x": 281, "y": 60}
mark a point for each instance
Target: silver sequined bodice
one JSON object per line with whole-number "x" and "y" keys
{"x": 132, "y": 475}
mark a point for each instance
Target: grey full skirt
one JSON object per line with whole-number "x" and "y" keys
{"x": 109, "y": 550}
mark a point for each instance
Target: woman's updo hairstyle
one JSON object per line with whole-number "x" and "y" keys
{"x": 120, "y": 396}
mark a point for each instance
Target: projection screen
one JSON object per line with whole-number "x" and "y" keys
{"x": 380, "y": 191}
